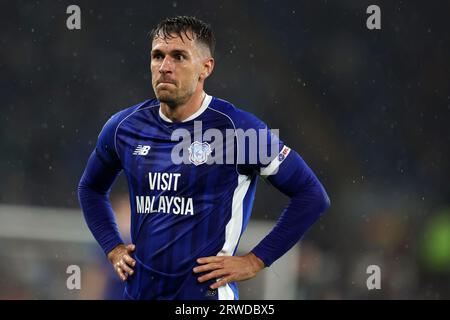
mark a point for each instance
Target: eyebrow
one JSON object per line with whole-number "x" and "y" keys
{"x": 175, "y": 51}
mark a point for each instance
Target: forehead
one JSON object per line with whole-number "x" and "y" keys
{"x": 175, "y": 42}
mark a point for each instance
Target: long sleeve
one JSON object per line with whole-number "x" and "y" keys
{"x": 308, "y": 200}
{"x": 101, "y": 171}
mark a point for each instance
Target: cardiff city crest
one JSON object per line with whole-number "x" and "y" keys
{"x": 199, "y": 152}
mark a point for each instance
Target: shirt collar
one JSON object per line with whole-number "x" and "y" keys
{"x": 206, "y": 100}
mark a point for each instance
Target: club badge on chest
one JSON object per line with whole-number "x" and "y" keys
{"x": 199, "y": 152}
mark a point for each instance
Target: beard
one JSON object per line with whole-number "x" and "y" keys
{"x": 171, "y": 94}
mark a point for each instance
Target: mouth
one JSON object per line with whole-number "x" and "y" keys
{"x": 164, "y": 85}
{"x": 165, "y": 82}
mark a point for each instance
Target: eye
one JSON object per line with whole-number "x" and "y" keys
{"x": 179, "y": 57}
{"x": 157, "y": 56}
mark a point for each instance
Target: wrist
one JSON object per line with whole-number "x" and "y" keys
{"x": 257, "y": 263}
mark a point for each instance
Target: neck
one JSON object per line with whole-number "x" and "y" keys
{"x": 183, "y": 111}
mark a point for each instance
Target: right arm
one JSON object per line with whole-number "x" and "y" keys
{"x": 102, "y": 169}
{"x": 93, "y": 194}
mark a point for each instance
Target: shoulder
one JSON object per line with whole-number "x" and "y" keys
{"x": 123, "y": 114}
{"x": 240, "y": 118}
{"x": 118, "y": 118}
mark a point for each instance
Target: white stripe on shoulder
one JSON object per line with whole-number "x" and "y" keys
{"x": 235, "y": 134}
{"x": 273, "y": 166}
{"x": 120, "y": 123}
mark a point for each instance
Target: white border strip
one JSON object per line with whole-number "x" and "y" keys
{"x": 234, "y": 228}
{"x": 275, "y": 163}
{"x": 206, "y": 100}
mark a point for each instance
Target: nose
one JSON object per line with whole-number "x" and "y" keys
{"x": 166, "y": 65}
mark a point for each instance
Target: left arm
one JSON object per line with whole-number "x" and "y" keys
{"x": 308, "y": 200}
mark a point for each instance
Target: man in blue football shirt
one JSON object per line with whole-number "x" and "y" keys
{"x": 189, "y": 208}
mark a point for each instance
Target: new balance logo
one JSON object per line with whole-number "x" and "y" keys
{"x": 141, "y": 150}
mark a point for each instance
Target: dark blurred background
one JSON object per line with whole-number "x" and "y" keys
{"x": 368, "y": 110}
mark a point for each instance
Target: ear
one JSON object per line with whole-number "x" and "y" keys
{"x": 208, "y": 66}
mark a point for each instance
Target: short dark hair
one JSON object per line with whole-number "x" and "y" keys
{"x": 174, "y": 27}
